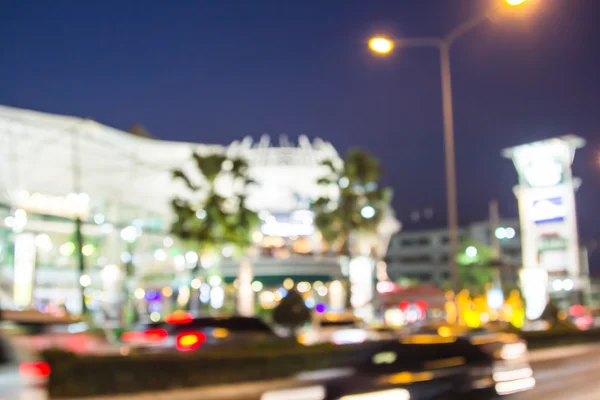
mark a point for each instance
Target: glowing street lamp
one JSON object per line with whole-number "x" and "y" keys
{"x": 381, "y": 45}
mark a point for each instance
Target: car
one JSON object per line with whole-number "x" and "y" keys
{"x": 22, "y": 377}
{"x": 336, "y": 328}
{"x": 37, "y": 331}
{"x": 497, "y": 361}
{"x": 181, "y": 331}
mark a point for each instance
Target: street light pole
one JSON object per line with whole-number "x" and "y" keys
{"x": 449, "y": 153}
{"x": 444, "y": 45}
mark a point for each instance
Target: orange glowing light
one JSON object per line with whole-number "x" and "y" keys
{"x": 381, "y": 45}
{"x": 179, "y": 317}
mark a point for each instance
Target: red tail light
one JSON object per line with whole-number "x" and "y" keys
{"x": 155, "y": 335}
{"x": 128, "y": 337}
{"x": 421, "y": 305}
{"x": 190, "y": 341}
{"x": 404, "y": 306}
{"x": 34, "y": 369}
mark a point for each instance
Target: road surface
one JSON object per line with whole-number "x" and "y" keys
{"x": 574, "y": 376}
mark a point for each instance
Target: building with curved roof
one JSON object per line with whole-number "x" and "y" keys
{"x": 54, "y": 169}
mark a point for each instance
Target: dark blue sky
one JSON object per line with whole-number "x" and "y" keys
{"x": 214, "y": 71}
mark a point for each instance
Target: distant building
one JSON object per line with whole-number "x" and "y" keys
{"x": 423, "y": 255}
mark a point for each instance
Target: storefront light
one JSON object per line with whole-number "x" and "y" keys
{"x": 568, "y": 284}
{"x": 303, "y": 287}
{"x": 99, "y": 219}
{"x": 217, "y": 297}
{"x": 43, "y": 242}
{"x": 85, "y": 280}
{"x": 66, "y": 249}
{"x": 215, "y": 280}
{"x": 288, "y": 283}
{"x": 180, "y": 262}
{"x": 257, "y": 286}
{"x": 106, "y": 228}
{"x": 227, "y": 251}
{"x": 110, "y": 273}
{"x": 160, "y": 255}
{"x": 196, "y": 283}
{"x": 129, "y": 234}
{"x": 557, "y": 285}
{"x": 191, "y": 257}
{"x": 9, "y": 221}
{"x": 88, "y": 250}
{"x": 126, "y": 257}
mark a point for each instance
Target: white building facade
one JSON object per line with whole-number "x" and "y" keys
{"x": 55, "y": 169}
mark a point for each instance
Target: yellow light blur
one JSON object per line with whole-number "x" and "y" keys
{"x": 167, "y": 291}
{"x": 220, "y": 333}
{"x": 562, "y": 315}
{"x": 303, "y": 287}
{"x": 188, "y": 340}
{"x": 302, "y": 246}
{"x": 381, "y": 45}
{"x": 403, "y": 378}
{"x": 427, "y": 339}
{"x": 288, "y": 283}
{"x": 471, "y": 318}
{"x": 88, "y": 250}
{"x": 515, "y": 2}
{"x": 444, "y": 331}
{"x": 302, "y": 339}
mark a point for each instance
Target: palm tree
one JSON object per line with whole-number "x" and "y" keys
{"x": 211, "y": 220}
{"x": 351, "y": 222}
{"x": 361, "y": 204}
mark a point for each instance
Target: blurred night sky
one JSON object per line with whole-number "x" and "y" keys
{"x": 215, "y": 71}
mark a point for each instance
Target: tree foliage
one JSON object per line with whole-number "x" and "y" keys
{"x": 357, "y": 183}
{"x": 207, "y": 217}
{"x": 475, "y": 272}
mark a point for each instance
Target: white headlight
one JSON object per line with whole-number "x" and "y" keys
{"x": 393, "y": 394}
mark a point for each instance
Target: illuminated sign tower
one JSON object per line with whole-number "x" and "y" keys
{"x": 549, "y": 238}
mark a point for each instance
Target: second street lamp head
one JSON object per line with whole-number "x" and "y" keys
{"x": 515, "y": 2}
{"x": 381, "y": 45}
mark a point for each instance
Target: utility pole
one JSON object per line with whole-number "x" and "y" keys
{"x": 494, "y": 220}
{"x": 76, "y": 176}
